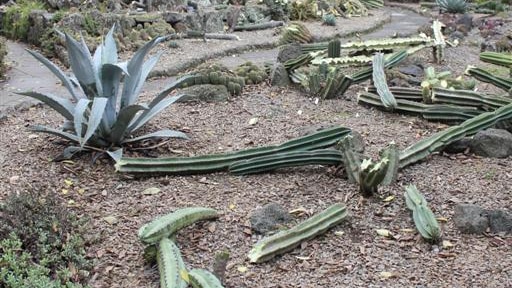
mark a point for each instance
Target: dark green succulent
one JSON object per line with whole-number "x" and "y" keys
{"x": 452, "y": 6}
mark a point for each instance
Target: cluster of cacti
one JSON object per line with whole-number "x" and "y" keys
{"x": 336, "y": 84}
{"x": 334, "y": 49}
{"x": 252, "y": 73}
{"x": 135, "y": 38}
{"x": 442, "y": 80}
{"x": 439, "y": 43}
{"x": 172, "y": 269}
{"x": 221, "y": 162}
{"x": 287, "y": 240}
{"x": 217, "y": 74}
{"x": 295, "y": 33}
{"x": 367, "y": 173}
{"x": 423, "y": 218}
{"x": 379, "y": 80}
{"x": 303, "y": 10}
{"x": 353, "y": 7}
{"x": 452, "y": 6}
{"x": 329, "y": 19}
{"x": 285, "y": 160}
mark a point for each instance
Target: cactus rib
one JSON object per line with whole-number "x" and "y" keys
{"x": 170, "y": 265}
{"x": 286, "y": 159}
{"x": 167, "y": 225}
{"x": 485, "y": 76}
{"x": 287, "y": 240}
{"x": 220, "y": 162}
{"x": 200, "y": 278}
{"x": 500, "y": 59}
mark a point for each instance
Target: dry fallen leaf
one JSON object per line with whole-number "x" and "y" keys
{"x": 303, "y": 258}
{"x": 339, "y": 233}
{"x": 447, "y": 244}
{"x": 387, "y": 275}
{"x": 253, "y": 121}
{"x": 68, "y": 182}
{"x": 389, "y": 198}
{"x": 384, "y": 232}
{"x": 110, "y": 220}
{"x": 151, "y": 191}
{"x": 232, "y": 206}
{"x": 242, "y": 269}
{"x": 442, "y": 219}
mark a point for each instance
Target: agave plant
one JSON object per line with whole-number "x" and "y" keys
{"x": 452, "y": 6}
{"x": 103, "y": 113}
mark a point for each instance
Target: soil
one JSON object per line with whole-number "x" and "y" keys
{"x": 349, "y": 255}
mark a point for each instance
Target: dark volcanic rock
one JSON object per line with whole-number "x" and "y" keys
{"x": 496, "y": 143}
{"x": 268, "y": 218}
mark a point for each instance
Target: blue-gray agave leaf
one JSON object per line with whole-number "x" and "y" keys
{"x": 132, "y": 81}
{"x": 159, "y": 134}
{"x": 125, "y": 117}
{"x": 176, "y": 84}
{"x": 61, "y": 105}
{"x": 82, "y": 66}
{"x": 65, "y": 135}
{"x": 94, "y": 119}
{"x": 66, "y": 81}
{"x": 152, "y": 112}
{"x": 111, "y": 78}
{"x": 79, "y": 117}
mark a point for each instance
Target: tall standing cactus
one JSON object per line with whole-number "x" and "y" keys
{"x": 333, "y": 49}
{"x": 439, "y": 43}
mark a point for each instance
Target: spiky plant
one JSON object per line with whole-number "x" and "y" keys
{"x": 103, "y": 114}
{"x": 296, "y": 33}
{"x": 329, "y": 20}
{"x": 452, "y": 6}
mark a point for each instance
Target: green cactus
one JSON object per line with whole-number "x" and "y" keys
{"x": 251, "y": 73}
{"x": 167, "y": 225}
{"x": 424, "y": 219}
{"x": 296, "y": 33}
{"x": 379, "y": 80}
{"x": 287, "y": 240}
{"x": 220, "y": 162}
{"x": 200, "y": 278}
{"x": 170, "y": 265}
{"x": 439, "y": 43}
{"x": 485, "y": 76}
{"x": 333, "y": 49}
{"x": 329, "y": 20}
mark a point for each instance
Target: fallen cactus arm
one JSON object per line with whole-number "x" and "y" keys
{"x": 501, "y": 59}
{"x": 259, "y": 26}
{"x": 424, "y": 219}
{"x": 437, "y": 141}
{"x": 286, "y": 159}
{"x": 170, "y": 265}
{"x": 167, "y": 225}
{"x": 287, "y": 240}
{"x": 390, "y": 61}
{"x": 439, "y": 43}
{"x": 371, "y": 45}
{"x": 379, "y": 80}
{"x": 485, "y": 76}
{"x": 220, "y": 162}
{"x": 200, "y": 278}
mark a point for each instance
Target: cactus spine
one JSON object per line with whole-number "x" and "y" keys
{"x": 379, "y": 80}
{"x": 424, "y": 219}
{"x": 167, "y": 225}
{"x": 333, "y": 49}
{"x": 287, "y": 240}
{"x": 170, "y": 265}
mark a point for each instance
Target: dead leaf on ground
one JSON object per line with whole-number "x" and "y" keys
{"x": 151, "y": 191}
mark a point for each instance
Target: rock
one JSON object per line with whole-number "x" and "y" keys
{"x": 279, "y": 76}
{"x": 212, "y": 19}
{"x": 499, "y": 221}
{"x": 495, "y": 143}
{"x": 173, "y": 17}
{"x": 287, "y": 52}
{"x": 464, "y": 23}
{"x": 59, "y": 4}
{"x": 39, "y": 22}
{"x": 412, "y": 70}
{"x": 205, "y": 93}
{"x": 456, "y": 35}
{"x": 268, "y": 218}
{"x": 470, "y": 219}
{"x": 166, "y": 5}
{"x": 459, "y": 146}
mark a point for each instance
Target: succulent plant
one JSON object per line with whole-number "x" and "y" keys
{"x": 373, "y": 4}
{"x": 218, "y": 74}
{"x": 439, "y": 42}
{"x": 295, "y": 33}
{"x": 303, "y": 10}
{"x": 334, "y": 49}
{"x": 251, "y": 73}
{"x": 379, "y": 80}
{"x": 104, "y": 115}
{"x": 200, "y": 278}
{"x": 452, "y": 6}
{"x": 329, "y": 20}
{"x": 353, "y": 8}
{"x": 485, "y": 76}
{"x": 220, "y": 162}
{"x": 286, "y": 240}
{"x": 170, "y": 265}
{"x": 424, "y": 219}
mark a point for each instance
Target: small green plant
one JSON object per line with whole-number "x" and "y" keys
{"x": 104, "y": 115}
{"x": 329, "y": 20}
{"x": 295, "y": 33}
{"x": 40, "y": 239}
{"x": 252, "y": 73}
{"x": 424, "y": 219}
{"x": 303, "y": 10}
{"x": 452, "y": 6}
{"x": 15, "y": 21}
{"x": 3, "y": 52}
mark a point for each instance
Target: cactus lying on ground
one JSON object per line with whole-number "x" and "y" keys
{"x": 200, "y": 278}
{"x": 220, "y": 162}
{"x": 170, "y": 265}
{"x": 286, "y": 159}
{"x": 439, "y": 140}
{"x": 424, "y": 219}
{"x": 372, "y": 45}
{"x": 251, "y": 73}
{"x": 379, "y": 80}
{"x": 442, "y": 80}
{"x": 501, "y": 59}
{"x": 287, "y": 240}
{"x": 167, "y": 225}
{"x": 485, "y": 76}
